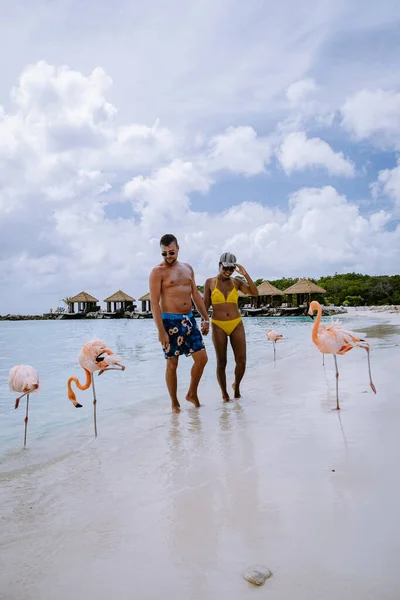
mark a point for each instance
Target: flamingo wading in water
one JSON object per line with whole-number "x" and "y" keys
{"x": 335, "y": 340}
{"x": 23, "y": 378}
{"x": 94, "y": 356}
{"x": 274, "y": 336}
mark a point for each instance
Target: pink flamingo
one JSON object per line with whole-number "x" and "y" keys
{"x": 274, "y": 336}
{"x": 335, "y": 340}
{"x": 94, "y": 356}
{"x": 23, "y": 378}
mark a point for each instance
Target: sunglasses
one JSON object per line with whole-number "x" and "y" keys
{"x": 229, "y": 269}
{"x": 170, "y": 252}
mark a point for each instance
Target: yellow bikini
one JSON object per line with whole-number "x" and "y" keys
{"x": 217, "y": 297}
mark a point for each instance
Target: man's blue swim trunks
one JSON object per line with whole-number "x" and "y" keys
{"x": 184, "y": 335}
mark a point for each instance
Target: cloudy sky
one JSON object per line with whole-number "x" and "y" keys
{"x": 271, "y": 130}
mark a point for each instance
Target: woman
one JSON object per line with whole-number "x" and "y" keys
{"x": 221, "y": 292}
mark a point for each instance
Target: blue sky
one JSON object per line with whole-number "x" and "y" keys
{"x": 234, "y": 126}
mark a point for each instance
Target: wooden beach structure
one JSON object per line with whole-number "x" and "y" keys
{"x": 146, "y": 305}
{"x": 86, "y": 303}
{"x": 303, "y": 289}
{"x": 121, "y": 301}
{"x": 266, "y": 294}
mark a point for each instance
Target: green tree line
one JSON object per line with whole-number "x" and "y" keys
{"x": 350, "y": 289}
{"x": 353, "y": 289}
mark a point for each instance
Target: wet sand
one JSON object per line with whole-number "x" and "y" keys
{"x": 178, "y": 506}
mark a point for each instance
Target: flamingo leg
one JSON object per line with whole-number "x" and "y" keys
{"x": 337, "y": 383}
{"x": 373, "y": 388}
{"x": 26, "y": 418}
{"x": 274, "y": 350}
{"x": 94, "y": 408}
{"x": 323, "y": 360}
{"x": 18, "y": 399}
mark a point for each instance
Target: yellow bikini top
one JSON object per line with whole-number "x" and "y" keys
{"x": 217, "y": 296}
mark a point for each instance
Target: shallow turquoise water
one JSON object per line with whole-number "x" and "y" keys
{"x": 276, "y": 477}
{"x": 52, "y": 348}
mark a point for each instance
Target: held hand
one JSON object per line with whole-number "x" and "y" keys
{"x": 163, "y": 337}
{"x": 241, "y": 270}
{"x": 205, "y": 328}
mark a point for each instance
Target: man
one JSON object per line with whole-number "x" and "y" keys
{"x": 172, "y": 287}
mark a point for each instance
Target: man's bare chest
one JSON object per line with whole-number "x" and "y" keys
{"x": 177, "y": 279}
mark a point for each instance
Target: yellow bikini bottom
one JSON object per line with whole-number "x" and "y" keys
{"x": 227, "y": 326}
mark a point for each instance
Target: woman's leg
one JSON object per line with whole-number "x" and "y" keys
{"x": 220, "y": 341}
{"x": 238, "y": 343}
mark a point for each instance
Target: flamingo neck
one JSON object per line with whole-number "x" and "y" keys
{"x": 85, "y": 386}
{"x": 316, "y": 325}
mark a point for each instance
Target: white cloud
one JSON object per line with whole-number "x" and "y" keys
{"x": 298, "y": 91}
{"x": 85, "y": 197}
{"x": 240, "y": 150}
{"x": 376, "y": 114}
{"x": 297, "y": 152}
{"x": 388, "y": 184}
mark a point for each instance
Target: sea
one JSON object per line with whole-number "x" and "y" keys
{"x": 179, "y": 505}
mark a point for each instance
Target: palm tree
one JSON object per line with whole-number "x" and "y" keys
{"x": 66, "y": 301}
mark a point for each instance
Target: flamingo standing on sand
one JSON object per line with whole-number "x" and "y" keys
{"x": 335, "y": 340}
{"x": 94, "y": 356}
{"x": 23, "y": 378}
{"x": 274, "y": 336}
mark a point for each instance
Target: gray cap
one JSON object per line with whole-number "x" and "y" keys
{"x": 228, "y": 259}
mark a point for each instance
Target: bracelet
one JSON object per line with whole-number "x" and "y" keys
{"x": 205, "y": 321}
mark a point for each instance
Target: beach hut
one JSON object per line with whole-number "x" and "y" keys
{"x": 303, "y": 290}
{"x": 145, "y": 300}
{"x": 121, "y": 302}
{"x": 267, "y": 291}
{"x": 86, "y": 303}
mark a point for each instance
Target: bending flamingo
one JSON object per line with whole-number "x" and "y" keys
{"x": 94, "y": 356}
{"x": 23, "y": 378}
{"x": 335, "y": 340}
{"x": 274, "y": 336}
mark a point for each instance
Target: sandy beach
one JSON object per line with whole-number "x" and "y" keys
{"x": 178, "y": 506}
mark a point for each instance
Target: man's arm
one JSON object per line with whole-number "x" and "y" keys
{"x": 199, "y": 302}
{"x": 248, "y": 288}
{"x": 155, "y": 280}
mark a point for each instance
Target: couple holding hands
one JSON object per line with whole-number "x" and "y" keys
{"x": 172, "y": 288}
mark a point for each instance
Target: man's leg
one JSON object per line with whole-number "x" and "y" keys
{"x": 172, "y": 382}
{"x": 199, "y": 362}
{"x": 238, "y": 343}
{"x": 220, "y": 341}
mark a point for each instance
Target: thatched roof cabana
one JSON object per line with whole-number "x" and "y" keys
{"x": 86, "y": 303}
{"x": 83, "y": 297}
{"x": 145, "y": 298}
{"x": 267, "y": 289}
{"x": 121, "y": 301}
{"x": 303, "y": 288}
{"x": 146, "y": 304}
{"x": 119, "y": 296}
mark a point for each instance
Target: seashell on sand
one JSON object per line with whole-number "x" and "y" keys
{"x": 257, "y": 574}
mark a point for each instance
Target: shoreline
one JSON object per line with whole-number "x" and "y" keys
{"x": 362, "y": 311}
{"x": 271, "y": 313}
{"x": 203, "y": 495}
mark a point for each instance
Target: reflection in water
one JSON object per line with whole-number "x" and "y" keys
{"x": 193, "y": 506}
{"x": 241, "y": 496}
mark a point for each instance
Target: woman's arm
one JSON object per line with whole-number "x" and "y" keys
{"x": 248, "y": 288}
